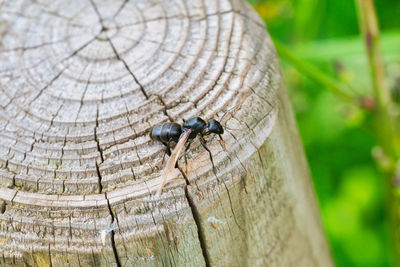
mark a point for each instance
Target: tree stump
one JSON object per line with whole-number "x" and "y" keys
{"x": 83, "y": 82}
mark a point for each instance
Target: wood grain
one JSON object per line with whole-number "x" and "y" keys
{"x": 83, "y": 82}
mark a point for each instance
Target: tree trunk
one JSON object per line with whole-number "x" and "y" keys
{"x": 83, "y": 82}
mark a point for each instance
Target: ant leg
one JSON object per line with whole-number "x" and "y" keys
{"x": 186, "y": 149}
{"x": 203, "y": 143}
{"x": 167, "y": 151}
{"x": 222, "y": 142}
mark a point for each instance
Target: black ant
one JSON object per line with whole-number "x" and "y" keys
{"x": 171, "y": 131}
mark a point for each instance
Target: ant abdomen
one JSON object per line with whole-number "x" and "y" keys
{"x": 166, "y": 132}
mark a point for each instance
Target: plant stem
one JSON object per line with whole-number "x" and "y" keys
{"x": 315, "y": 74}
{"x": 386, "y": 129}
{"x": 386, "y": 119}
{"x": 370, "y": 29}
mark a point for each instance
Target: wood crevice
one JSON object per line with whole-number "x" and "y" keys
{"x": 165, "y": 109}
{"x": 128, "y": 69}
{"x": 200, "y": 231}
{"x": 112, "y": 233}
{"x": 117, "y": 55}
{"x": 99, "y": 176}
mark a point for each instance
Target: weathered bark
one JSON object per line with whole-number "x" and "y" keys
{"x": 83, "y": 82}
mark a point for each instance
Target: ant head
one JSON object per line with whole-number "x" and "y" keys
{"x": 213, "y": 126}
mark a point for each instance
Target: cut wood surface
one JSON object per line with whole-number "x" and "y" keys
{"x": 82, "y": 83}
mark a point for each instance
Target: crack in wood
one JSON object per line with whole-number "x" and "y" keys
{"x": 165, "y": 109}
{"x": 200, "y": 231}
{"x": 96, "y": 137}
{"x": 84, "y": 93}
{"x": 25, "y": 48}
{"x": 196, "y": 214}
{"x": 128, "y": 68}
{"x": 112, "y": 234}
{"x": 180, "y": 16}
{"x": 120, "y": 8}
{"x": 223, "y": 181}
{"x": 61, "y": 71}
{"x": 55, "y": 115}
{"x": 48, "y": 84}
{"x": 242, "y": 179}
{"x": 50, "y": 262}
{"x": 100, "y": 185}
{"x": 117, "y": 55}
{"x": 3, "y": 206}
{"x": 97, "y": 11}
{"x": 162, "y": 242}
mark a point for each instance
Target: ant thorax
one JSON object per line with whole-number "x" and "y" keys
{"x": 196, "y": 124}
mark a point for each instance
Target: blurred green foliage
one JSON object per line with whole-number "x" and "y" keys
{"x": 338, "y": 137}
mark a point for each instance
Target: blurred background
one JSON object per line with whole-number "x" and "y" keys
{"x": 338, "y": 136}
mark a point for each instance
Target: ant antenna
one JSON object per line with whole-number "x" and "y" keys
{"x": 226, "y": 112}
{"x": 224, "y": 126}
{"x": 229, "y": 129}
